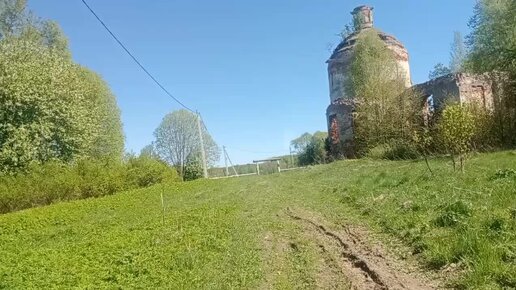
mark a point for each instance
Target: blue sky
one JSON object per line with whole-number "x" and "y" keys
{"x": 255, "y": 69}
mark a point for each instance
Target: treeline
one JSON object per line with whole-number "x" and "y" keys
{"x": 52, "y": 108}
{"x": 490, "y": 50}
{"x": 61, "y": 134}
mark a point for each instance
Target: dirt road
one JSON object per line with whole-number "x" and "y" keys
{"x": 348, "y": 258}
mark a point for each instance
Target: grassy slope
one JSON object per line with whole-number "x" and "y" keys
{"x": 229, "y": 233}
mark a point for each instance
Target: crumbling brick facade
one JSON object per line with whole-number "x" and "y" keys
{"x": 340, "y": 128}
{"x": 434, "y": 94}
{"x": 340, "y": 112}
{"x": 460, "y": 88}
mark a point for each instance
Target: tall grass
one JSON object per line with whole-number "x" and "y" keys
{"x": 460, "y": 223}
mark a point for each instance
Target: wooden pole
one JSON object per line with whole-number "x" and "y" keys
{"x": 291, "y": 158}
{"x": 225, "y": 160}
{"x": 279, "y": 167}
{"x": 201, "y": 140}
{"x": 163, "y": 205}
{"x": 257, "y": 168}
{"x": 232, "y": 166}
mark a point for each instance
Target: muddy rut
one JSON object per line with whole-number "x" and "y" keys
{"x": 363, "y": 265}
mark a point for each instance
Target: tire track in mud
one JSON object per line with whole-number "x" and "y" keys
{"x": 363, "y": 268}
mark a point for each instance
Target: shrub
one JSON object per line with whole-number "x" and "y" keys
{"x": 456, "y": 129}
{"x": 314, "y": 152}
{"x": 55, "y": 181}
{"x": 504, "y": 173}
{"x": 378, "y": 152}
{"x": 401, "y": 150}
{"x": 193, "y": 170}
{"x": 145, "y": 171}
{"x": 396, "y": 150}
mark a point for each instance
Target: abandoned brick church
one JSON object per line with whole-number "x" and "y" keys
{"x": 460, "y": 87}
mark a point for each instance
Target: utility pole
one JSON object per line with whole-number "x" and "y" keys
{"x": 226, "y": 160}
{"x": 229, "y": 159}
{"x": 201, "y": 140}
{"x": 291, "y": 158}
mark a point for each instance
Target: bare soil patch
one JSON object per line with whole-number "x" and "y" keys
{"x": 364, "y": 265}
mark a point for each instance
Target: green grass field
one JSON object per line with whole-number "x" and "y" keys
{"x": 237, "y": 233}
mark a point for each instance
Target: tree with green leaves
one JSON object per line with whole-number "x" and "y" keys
{"x": 299, "y": 144}
{"x": 492, "y": 41}
{"x": 53, "y": 37}
{"x": 17, "y": 21}
{"x": 149, "y": 151}
{"x": 384, "y": 111}
{"x": 456, "y": 129}
{"x": 439, "y": 70}
{"x": 41, "y": 117}
{"x": 105, "y": 120}
{"x": 177, "y": 139}
{"x": 458, "y": 53}
{"x": 13, "y": 17}
{"x": 492, "y": 46}
{"x": 315, "y": 150}
{"x": 193, "y": 168}
{"x": 52, "y": 108}
{"x": 348, "y": 30}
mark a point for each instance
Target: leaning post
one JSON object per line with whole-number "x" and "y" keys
{"x": 201, "y": 140}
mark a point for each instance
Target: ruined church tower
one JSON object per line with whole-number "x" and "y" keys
{"x": 340, "y": 112}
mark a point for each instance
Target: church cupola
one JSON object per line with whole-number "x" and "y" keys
{"x": 362, "y": 17}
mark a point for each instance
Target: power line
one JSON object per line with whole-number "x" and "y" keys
{"x": 152, "y": 77}
{"x": 134, "y": 58}
{"x": 203, "y": 123}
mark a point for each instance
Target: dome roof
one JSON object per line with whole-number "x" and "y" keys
{"x": 392, "y": 43}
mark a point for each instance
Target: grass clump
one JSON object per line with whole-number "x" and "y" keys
{"x": 504, "y": 173}
{"x": 453, "y": 214}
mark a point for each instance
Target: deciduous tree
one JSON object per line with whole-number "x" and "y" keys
{"x": 456, "y": 129}
{"x": 311, "y": 149}
{"x": 52, "y": 108}
{"x": 300, "y": 143}
{"x": 458, "y": 53}
{"x": 384, "y": 111}
{"x": 492, "y": 46}
{"x": 439, "y": 70}
{"x": 177, "y": 138}
{"x": 104, "y": 117}
{"x": 13, "y": 17}
{"x": 42, "y": 114}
